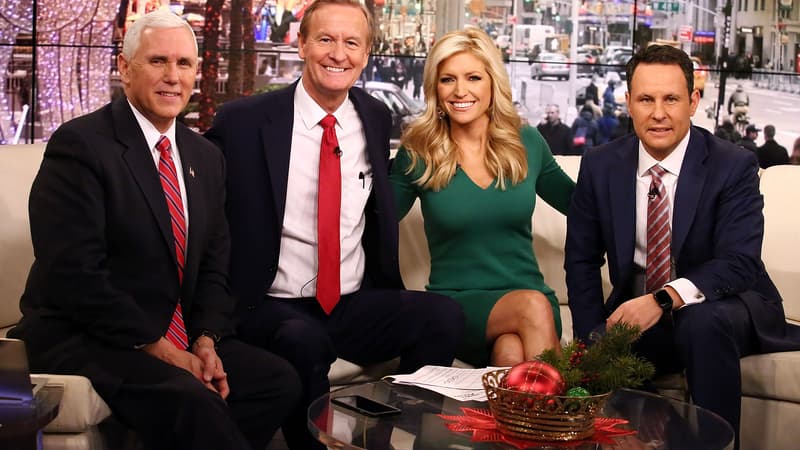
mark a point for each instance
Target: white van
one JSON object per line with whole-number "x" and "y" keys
{"x": 529, "y": 36}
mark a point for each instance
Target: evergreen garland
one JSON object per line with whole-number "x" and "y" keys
{"x": 606, "y": 365}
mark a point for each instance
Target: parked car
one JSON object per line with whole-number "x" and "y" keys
{"x": 700, "y": 75}
{"x": 404, "y": 109}
{"x": 550, "y": 65}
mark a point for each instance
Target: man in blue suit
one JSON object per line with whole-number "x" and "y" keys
{"x": 272, "y": 144}
{"x": 714, "y": 302}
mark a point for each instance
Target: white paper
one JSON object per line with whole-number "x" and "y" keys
{"x": 453, "y": 382}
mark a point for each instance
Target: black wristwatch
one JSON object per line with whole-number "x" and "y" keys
{"x": 664, "y": 300}
{"x": 214, "y": 337}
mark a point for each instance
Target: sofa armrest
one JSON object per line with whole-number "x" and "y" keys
{"x": 81, "y": 407}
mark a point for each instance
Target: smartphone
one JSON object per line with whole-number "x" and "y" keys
{"x": 365, "y": 406}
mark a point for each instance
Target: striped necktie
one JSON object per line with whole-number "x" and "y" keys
{"x": 658, "y": 233}
{"x": 176, "y": 333}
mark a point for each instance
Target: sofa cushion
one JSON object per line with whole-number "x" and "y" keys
{"x": 772, "y": 376}
{"x": 80, "y": 408}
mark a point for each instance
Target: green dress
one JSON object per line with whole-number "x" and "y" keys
{"x": 480, "y": 240}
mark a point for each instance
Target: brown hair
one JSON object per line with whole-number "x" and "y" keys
{"x": 317, "y": 4}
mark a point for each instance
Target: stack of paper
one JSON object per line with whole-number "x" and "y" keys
{"x": 453, "y": 382}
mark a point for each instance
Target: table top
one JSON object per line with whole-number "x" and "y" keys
{"x": 660, "y": 422}
{"x": 20, "y": 419}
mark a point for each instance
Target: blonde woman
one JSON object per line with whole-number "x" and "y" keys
{"x": 477, "y": 172}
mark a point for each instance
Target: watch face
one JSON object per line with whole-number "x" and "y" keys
{"x": 663, "y": 299}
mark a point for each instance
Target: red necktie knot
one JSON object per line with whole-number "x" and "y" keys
{"x": 328, "y": 122}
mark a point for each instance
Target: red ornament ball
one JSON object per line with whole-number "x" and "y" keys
{"x": 536, "y": 377}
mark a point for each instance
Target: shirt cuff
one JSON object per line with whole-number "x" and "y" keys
{"x": 688, "y": 291}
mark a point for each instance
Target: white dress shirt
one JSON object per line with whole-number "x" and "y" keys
{"x": 152, "y": 135}
{"x": 297, "y": 263}
{"x": 672, "y": 164}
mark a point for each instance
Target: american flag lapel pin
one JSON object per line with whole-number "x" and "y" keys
{"x": 191, "y": 172}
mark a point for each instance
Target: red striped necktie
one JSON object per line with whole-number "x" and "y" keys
{"x": 659, "y": 238}
{"x": 329, "y": 201}
{"x": 176, "y": 333}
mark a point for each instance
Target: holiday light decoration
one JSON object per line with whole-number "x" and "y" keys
{"x": 74, "y": 58}
{"x": 15, "y": 17}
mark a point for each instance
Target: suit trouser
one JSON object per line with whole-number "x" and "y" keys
{"x": 170, "y": 409}
{"x": 708, "y": 340}
{"x": 365, "y": 327}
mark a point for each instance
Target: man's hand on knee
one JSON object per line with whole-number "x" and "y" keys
{"x": 642, "y": 311}
{"x": 213, "y": 374}
{"x": 165, "y": 351}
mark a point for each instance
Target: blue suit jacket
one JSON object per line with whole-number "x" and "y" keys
{"x": 717, "y": 231}
{"x": 255, "y": 134}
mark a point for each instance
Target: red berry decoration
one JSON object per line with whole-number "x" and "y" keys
{"x": 536, "y": 377}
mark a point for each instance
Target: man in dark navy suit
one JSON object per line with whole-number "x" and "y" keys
{"x": 129, "y": 287}
{"x": 295, "y": 300}
{"x": 678, "y": 214}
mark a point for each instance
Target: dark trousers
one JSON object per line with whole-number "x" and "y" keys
{"x": 170, "y": 409}
{"x": 366, "y": 327}
{"x": 707, "y": 340}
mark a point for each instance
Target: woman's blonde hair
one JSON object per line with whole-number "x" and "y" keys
{"x": 427, "y": 139}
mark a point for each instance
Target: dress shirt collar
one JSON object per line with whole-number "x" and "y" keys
{"x": 151, "y": 134}
{"x": 672, "y": 163}
{"x": 311, "y": 113}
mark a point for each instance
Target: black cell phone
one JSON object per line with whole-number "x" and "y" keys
{"x": 365, "y": 406}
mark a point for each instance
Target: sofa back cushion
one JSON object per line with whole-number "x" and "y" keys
{"x": 18, "y": 167}
{"x": 780, "y": 186}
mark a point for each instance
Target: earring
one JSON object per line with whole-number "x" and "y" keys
{"x": 440, "y": 113}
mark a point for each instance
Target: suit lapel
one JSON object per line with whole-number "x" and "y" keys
{"x": 690, "y": 187}
{"x": 140, "y": 162}
{"x": 376, "y": 147}
{"x": 623, "y": 204}
{"x": 195, "y": 204}
{"x": 276, "y": 138}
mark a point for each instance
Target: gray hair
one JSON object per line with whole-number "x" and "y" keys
{"x": 161, "y": 19}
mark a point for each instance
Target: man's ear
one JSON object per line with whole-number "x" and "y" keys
{"x": 124, "y": 69}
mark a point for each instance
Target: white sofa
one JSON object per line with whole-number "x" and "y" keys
{"x": 771, "y": 403}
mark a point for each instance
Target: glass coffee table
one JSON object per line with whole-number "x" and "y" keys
{"x": 660, "y": 422}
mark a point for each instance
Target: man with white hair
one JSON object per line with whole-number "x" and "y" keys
{"x": 129, "y": 287}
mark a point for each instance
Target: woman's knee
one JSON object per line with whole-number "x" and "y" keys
{"x": 533, "y": 308}
{"x": 507, "y": 350}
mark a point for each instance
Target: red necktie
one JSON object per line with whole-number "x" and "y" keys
{"x": 658, "y": 233}
{"x": 176, "y": 333}
{"x": 328, "y": 204}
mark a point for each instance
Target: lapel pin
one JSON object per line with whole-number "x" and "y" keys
{"x": 191, "y": 172}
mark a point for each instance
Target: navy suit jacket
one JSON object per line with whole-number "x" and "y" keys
{"x": 105, "y": 275}
{"x": 717, "y": 232}
{"x": 255, "y": 134}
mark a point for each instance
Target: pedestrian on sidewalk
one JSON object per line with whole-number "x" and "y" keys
{"x": 771, "y": 153}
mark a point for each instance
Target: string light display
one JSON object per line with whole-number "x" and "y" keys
{"x": 74, "y": 58}
{"x": 15, "y": 17}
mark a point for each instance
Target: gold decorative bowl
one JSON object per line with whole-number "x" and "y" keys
{"x": 540, "y": 417}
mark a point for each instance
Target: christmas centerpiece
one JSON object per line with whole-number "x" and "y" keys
{"x": 557, "y": 396}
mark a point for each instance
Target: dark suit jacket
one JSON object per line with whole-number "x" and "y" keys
{"x": 278, "y": 32}
{"x": 105, "y": 275}
{"x": 717, "y": 231}
{"x": 772, "y": 154}
{"x": 255, "y": 133}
